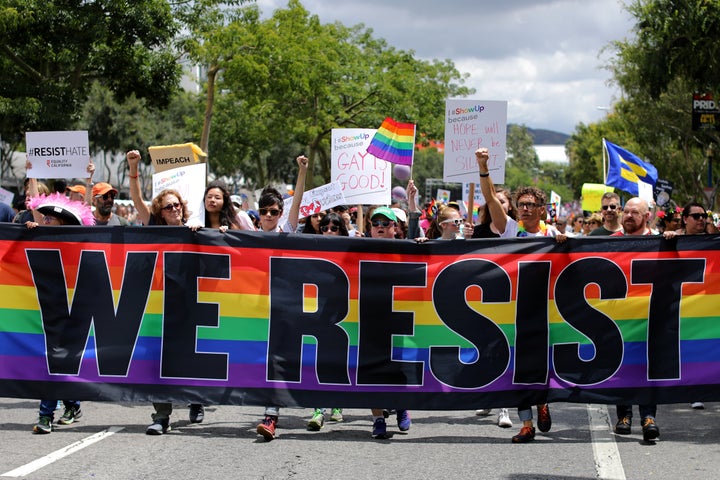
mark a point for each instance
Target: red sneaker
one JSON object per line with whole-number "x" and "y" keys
{"x": 527, "y": 434}
{"x": 267, "y": 427}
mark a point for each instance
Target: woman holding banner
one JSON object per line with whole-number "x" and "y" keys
{"x": 270, "y": 206}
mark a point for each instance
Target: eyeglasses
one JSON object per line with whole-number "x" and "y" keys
{"x": 529, "y": 205}
{"x": 612, "y": 206}
{"x": 590, "y": 222}
{"x": 106, "y": 196}
{"x": 171, "y": 206}
{"x": 332, "y": 228}
{"x": 676, "y": 219}
{"x": 456, "y": 221}
{"x": 382, "y": 223}
{"x": 698, "y": 216}
{"x": 49, "y": 220}
{"x": 274, "y": 212}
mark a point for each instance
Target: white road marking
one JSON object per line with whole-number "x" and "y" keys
{"x": 58, "y": 454}
{"x": 607, "y": 456}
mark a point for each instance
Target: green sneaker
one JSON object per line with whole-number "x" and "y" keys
{"x": 336, "y": 415}
{"x": 71, "y": 414}
{"x": 44, "y": 425}
{"x": 317, "y": 421}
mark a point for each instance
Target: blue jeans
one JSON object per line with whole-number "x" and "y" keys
{"x": 47, "y": 407}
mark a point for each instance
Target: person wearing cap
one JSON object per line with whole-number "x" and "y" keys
{"x": 103, "y": 199}
{"x": 384, "y": 224}
{"x": 76, "y": 192}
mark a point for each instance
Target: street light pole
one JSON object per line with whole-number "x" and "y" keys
{"x": 710, "y": 154}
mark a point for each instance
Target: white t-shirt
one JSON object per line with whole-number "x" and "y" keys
{"x": 512, "y": 228}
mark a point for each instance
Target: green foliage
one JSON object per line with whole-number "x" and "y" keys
{"x": 287, "y": 81}
{"x": 53, "y": 50}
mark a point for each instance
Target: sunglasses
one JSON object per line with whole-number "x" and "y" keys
{"x": 382, "y": 223}
{"x": 456, "y": 221}
{"x": 612, "y": 206}
{"x": 698, "y": 216}
{"x": 274, "y": 212}
{"x": 49, "y": 220}
{"x": 332, "y": 228}
{"x": 107, "y": 196}
{"x": 590, "y": 223}
{"x": 529, "y": 205}
{"x": 171, "y": 206}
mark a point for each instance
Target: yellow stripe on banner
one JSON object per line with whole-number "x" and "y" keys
{"x": 19, "y": 298}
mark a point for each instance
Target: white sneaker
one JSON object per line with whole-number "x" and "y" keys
{"x": 503, "y": 420}
{"x": 697, "y": 405}
{"x": 483, "y": 412}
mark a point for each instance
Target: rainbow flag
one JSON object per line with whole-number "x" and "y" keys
{"x": 394, "y": 142}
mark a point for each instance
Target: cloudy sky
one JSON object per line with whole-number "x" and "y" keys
{"x": 542, "y": 56}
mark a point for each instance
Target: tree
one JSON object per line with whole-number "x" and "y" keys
{"x": 51, "y": 52}
{"x": 297, "y": 79}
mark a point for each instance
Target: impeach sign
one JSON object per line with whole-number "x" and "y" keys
{"x": 174, "y": 156}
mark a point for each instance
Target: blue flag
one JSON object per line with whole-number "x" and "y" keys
{"x": 626, "y": 170}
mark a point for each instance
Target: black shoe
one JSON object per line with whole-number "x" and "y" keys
{"x": 622, "y": 427}
{"x": 544, "y": 419}
{"x": 650, "y": 429}
{"x": 158, "y": 427}
{"x": 197, "y": 413}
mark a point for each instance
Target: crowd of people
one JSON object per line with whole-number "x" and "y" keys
{"x": 505, "y": 214}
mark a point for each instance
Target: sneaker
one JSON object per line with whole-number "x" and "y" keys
{"x": 697, "y": 406}
{"x": 379, "y": 428}
{"x": 483, "y": 412}
{"x": 158, "y": 427}
{"x": 403, "y": 420}
{"x": 336, "y": 415}
{"x": 503, "y": 419}
{"x": 527, "y": 434}
{"x": 267, "y": 427}
{"x": 622, "y": 427}
{"x": 650, "y": 429}
{"x": 71, "y": 414}
{"x": 197, "y": 413}
{"x": 544, "y": 420}
{"x": 317, "y": 421}
{"x": 44, "y": 425}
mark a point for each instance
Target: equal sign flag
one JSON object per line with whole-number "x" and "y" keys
{"x": 394, "y": 142}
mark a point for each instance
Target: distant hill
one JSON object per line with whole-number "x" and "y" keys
{"x": 547, "y": 137}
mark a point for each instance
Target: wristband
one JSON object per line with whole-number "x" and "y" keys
{"x": 483, "y": 175}
{"x": 133, "y": 176}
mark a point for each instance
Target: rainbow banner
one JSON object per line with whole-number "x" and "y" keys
{"x": 167, "y": 314}
{"x": 394, "y": 142}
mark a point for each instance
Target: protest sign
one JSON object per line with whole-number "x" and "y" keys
{"x": 173, "y": 156}
{"x": 469, "y": 125}
{"x": 58, "y": 154}
{"x": 315, "y": 200}
{"x": 442, "y": 195}
{"x": 189, "y": 181}
{"x": 6, "y": 196}
{"x": 592, "y": 194}
{"x": 364, "y": 179}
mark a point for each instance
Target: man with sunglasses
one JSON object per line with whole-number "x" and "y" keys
{"x": 611, "y": 215}
{"x": 531, "y": 213}
{"x": 103, "y": 200}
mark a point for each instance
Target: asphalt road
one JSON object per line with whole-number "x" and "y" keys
{"x": 109, "y": 442}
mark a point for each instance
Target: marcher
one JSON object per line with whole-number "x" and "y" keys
{"x": 167, "y": 208}
{"x": 103, "y": 198}
{"x": 530, "y": 203}
{"x": 271, "y": 208}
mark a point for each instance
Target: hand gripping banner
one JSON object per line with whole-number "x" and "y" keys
{"x": 167, "y": 314}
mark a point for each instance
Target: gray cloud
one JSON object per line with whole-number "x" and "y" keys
{"x": 540, "y": 55}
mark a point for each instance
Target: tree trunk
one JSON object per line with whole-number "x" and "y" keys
{"x": 205, "y": 137}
